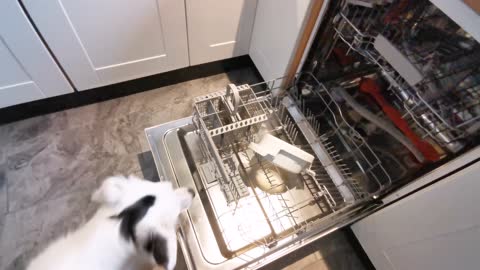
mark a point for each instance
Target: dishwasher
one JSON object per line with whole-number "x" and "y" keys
{"x": 389, "y": 91}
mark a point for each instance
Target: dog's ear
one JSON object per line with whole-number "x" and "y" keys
{"x": 185, "y": 196}
{"x": 131, "y": 215}
{"x": 157, "y": 246}
{"x": 110, "y": 191}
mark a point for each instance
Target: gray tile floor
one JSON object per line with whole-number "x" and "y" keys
{"x": 50, "y": 164}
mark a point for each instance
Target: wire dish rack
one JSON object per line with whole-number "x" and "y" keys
{"x": 263, "y": 204}
{"x": 436, "y": 77}
{"x": 357, "y": 162}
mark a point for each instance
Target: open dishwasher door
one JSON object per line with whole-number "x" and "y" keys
{"x": 433, "y": 228}
{"x": 250, "y": 211}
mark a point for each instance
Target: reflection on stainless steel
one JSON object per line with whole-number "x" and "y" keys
{"x": 445, "y": 103}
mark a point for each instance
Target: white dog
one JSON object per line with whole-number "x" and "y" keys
{"x": 134, "y": 228}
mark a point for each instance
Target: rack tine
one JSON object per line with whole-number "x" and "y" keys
{"x": 295, "y": 135}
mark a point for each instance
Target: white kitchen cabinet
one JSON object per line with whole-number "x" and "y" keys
{"x": 278, "y": 25}
{"x": 219, "y": 29}
{"x": 27, "y": 70}
{"x": 100, "y": 42}
{"x": 433, "y": 229}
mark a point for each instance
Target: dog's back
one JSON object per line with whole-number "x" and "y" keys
{"x": 134, "y": 228}
{"x": 90, "y": 247}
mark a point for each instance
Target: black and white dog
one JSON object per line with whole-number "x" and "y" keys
{"x": 134, "y": 228}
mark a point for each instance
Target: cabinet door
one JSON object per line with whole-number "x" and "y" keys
{"x": 278, "y": 24}
{"x": 100, "y": 42}
{"x": 15, "y": 85}
{"x": 219, "y": 29}
{"x": 433, "y": 229}
{"x": 27, "y": 71}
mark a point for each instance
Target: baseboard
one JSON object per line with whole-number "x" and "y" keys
{"x": 358, "y": 248}
{"x": 81, "y": 98}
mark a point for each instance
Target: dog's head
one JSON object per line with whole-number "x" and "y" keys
{"x": 147, "y": 213}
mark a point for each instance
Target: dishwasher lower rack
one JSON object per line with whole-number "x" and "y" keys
{"x": 255, "y": 205}
{"x": 437, "y": 83}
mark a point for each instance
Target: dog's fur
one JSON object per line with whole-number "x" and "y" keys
{"x": 134, "y": 228}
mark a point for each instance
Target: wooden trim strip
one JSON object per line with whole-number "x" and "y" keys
{"x": 309, "y": 25}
